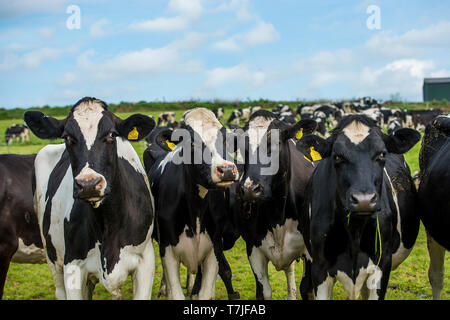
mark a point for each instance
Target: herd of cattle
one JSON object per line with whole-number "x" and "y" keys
{"x": 343, "y": 200}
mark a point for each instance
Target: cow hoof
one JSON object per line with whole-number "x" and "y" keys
{"x": 234, "y": 296}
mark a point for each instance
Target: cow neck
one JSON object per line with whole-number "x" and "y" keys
{"x": 111, "y": 211}
{"x": 196, "y": 204}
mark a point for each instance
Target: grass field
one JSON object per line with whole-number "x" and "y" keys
{"x": 408, "y": 282}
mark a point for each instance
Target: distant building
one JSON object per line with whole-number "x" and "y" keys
{"x": 436, "y": 89}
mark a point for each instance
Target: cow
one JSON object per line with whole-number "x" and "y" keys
{"x": 241, "y": 115}
{"x": 190, "y": 179}
{"x": 219, "y": 113}
{"x": 93, "y": 201}
{"x": 420, "y": 118}
{"x": 18, "y": 131}
{"x": 166, "y": 118}
{"x": 434, "y": 159}
{"x": 271, "y": 192}
{"x": 20, "y": 240}
{"x": 393, "y": 125}
{"x": 359, "y": 219}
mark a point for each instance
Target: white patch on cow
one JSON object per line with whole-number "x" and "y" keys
{"x": 168, "y": 158}
{"x": 248, "y": 182}
{"x": 206, "y": 125}
{"x": 257, "y": 128}
{"x": 126, "y": 151}
{"x": 192, "y": 252}
{"x": 88, "y": 115}
{"x": 356, "y": 132}
{"x": 28, "y": 254}
{"x": 202, "y": 191}
{"x": 401, "y": 253}
{"x": 140, "y": 258}
{"x": 369, "y": 276}
{"x": 283, "y": 244}
{"x": 325, "y": 289}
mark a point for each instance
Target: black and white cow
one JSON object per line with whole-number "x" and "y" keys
{"x": 219, "y": 113}
{"x": 93, "y": 201}
{"x": 242, "y": 115}
{"x": 166, "y": 118}
{"x": 271, "y": 194}
{"x": 360, "y": 218}
{"x": 20, "y": 239}
{"x": 419, "y": 119}
{"x": 434, "y": 161}
{"x": 189, "y": 181}
{"x": 18, "y": 131}
{"x": 393, "y": 125}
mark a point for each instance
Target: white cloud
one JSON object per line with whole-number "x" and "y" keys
{"x": 262, "y": 33}
{"x": 189, "y": 12}
{"x": 239, "y": 74}
{"x": 32, "y": 59}
{"x": 97, "y": 28}
{"x": 410, "y": 43}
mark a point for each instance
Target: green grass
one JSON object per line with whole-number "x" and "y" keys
{"x": 408, "y": 282}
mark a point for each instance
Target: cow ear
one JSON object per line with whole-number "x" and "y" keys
{"x": 136, "y": 127}
{"x": 164, "y": 139}
{"x": 442, "y": 123}
{"x": 299, "y": 129}
{"x": 42, "y": 126}
{"x": 313, "y": 147}
{"x": 402, "y": 140}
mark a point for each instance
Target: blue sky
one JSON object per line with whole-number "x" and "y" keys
{"x": 172, "y": 50}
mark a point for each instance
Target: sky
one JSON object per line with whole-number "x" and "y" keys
{"x": 54, "y": 52}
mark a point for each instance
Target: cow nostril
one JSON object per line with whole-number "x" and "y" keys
{"x": 353, "y": 199}
{"x": 220, "y": 170}
{"x": 374, "y": 199}
{"x": 257, "y": 188}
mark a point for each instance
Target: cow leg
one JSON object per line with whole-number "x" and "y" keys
{"x": 190, "y": 282}
{"x": 226, "y": 275}
{"x": 90, "y": 288}
{"x": 58, "y": 278}
{"x": 7, "y": 250}
{"x": 210, "y": 269}
{"x": 75, "y": 282}
{"x": 306, "y": 286}
{"x": 171, "y": 267}
{"x": 325, "y": 289}
{"x": 291, "y": 286}
{"x": 436, "y": 269}
{"x": 197, "y": 284}
{"x": 144, "y": 274}
{"x": 163, "y": 286}
{"x": 259, "y": 265}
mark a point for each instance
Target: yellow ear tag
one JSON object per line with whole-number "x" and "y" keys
{"x": 133, "y": 135}
{"x": 299, "y": 134}
{"x": 315, "y": 156}
{"x": 171, "y": 145}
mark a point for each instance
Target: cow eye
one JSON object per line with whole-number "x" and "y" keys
{"x": 338, "y": 158}
{"x": 111, "y": 136}
{"x": 381, "y": 156}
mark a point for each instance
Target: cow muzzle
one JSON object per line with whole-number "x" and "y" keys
{"x": 91, "y": 189}
{"x": 226, "y": 174}
{"x": 363, "y": 203}
{"x": 251, "y": 192}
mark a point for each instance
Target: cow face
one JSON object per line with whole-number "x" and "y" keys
{"x": 357, "y": 150}
{"x": 205, "y": 149}
{"x": 267, "y": 155}
{"x": 93, "y": 137}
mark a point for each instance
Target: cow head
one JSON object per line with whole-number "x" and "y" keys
{"x": 93, "y": 137}
{"x": 205, "y": 146}
{"x": 357, "y": 149}
{"x": 436, "y": 135}
{"x": 267, "y": 155}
